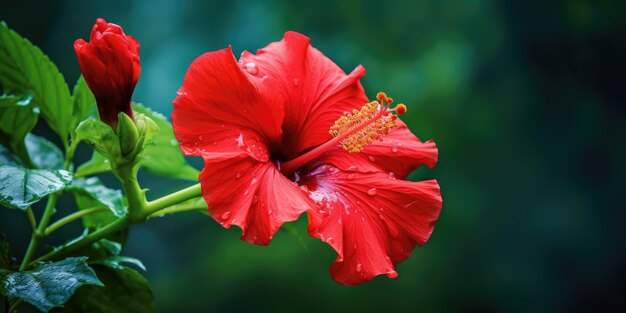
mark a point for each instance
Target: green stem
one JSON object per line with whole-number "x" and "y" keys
{"x": 64, "y": 251}
{"x": 177, "y": 208}
{"x": 136, "y": 200}
{"x": 72, "y": 217}
{"x": 31, "y": 219}
{"x": 177, "y": 197}
{"x": 69, "y": 153}
{"x": 39, "y": 232}
{"x": 134, "y": 194}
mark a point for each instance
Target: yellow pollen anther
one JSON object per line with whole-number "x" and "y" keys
{"x": 361, "y": 127}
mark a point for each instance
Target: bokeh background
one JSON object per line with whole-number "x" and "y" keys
{"x": 526, "y": 101}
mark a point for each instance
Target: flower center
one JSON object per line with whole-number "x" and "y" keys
{"x": 353, "y": 131}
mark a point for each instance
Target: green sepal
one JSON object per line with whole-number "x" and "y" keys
{"x": 127, "y": 133}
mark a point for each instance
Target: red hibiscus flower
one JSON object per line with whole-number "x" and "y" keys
{"x": 110, "y": 66}
{"x": 286, "y": 131}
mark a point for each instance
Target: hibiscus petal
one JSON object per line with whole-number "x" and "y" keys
{"x": 371, "y": 221}
{"x": 218, "y": 101}
{"x": 252, "y": 195}
{"x": 398, "y": 154}
{"x": 316, "y": 90}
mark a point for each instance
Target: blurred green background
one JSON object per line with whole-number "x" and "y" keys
{"x": 526, "y": 101}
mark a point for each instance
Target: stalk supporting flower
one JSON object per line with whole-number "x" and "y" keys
{"x": 305, "y": 138}
{"x": 110, "y": 65}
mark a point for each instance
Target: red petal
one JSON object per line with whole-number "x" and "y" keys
{"x": 221, "y": 109}
{"x": 398, "y": 154}
{"x": 371, "y": 221}
{"x": 252, "y": 195}
{"x": 316, "y": 90}
{"x": 216, "y": 92}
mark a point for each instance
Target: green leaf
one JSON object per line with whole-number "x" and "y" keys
{"x": 99, "y": 135}
{"x": 117, "y": 260}
{"x": 97, "y": 164}
{"x": 49, "y": 285}
{"x": 8, "y": 158}
{"x": 164, "y": 157}
{"x": 84, "y": 103}
{"x": 24, "y": 68}
{"x": 17, "y": 118}
{"x": 8, "y": 100}
{"x": 21, "y": 187}
{"x": 107, "y": 252}
{"x": 125, "y": 290}
{"x": 95, "y": 220}
{"x": 43, "y": 153}
{"x": 102, "y": 196}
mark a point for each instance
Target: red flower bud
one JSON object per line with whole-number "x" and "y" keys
{"x": 110, "y": 66}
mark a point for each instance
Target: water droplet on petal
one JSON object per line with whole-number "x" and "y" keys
{"x": 380, "y": 216}
{"x": 351, "y": 168}
{"x": 255, "y": 199}
{"x": 238, "y": 175}
{"x": 372, "y": 192}
{"x": 351, "y": 176}
{"x": 391, "y": 175}
{"x": 296, "y": 82}
{"x": 394, "y": 149}
{"x": 200, "y": 138}
{"x": 392, "y": 274}
{"x": 253, "y": 181}
{"x": 371, "y": 158}
{"x": 251, "y": 68}
{"x": 359, "y": 267}
{"x": 226, "y": 215}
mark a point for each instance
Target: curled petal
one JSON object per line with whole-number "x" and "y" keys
{"x": 216, "y": 94}
{"x": 315, "y": 89}
{"x": 252, "y": 195}
{"x": 371, "y": 221}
